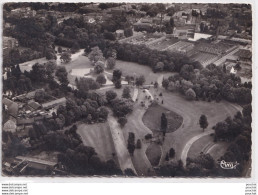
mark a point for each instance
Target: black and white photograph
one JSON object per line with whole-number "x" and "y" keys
{"x": 127, "y": 90}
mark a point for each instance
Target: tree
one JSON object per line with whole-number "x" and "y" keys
{"x": 138, "y": 144}
{"x": 122, "y": 121}
{"x": 111, "y": 62}
{"x": 99, "y": 67}
{"x": 126, "y": 92}
{"x": 171, "y": 153}
{"x": 103, "y": 112}
{"x": 61, "y": 75}
{"x": 131, "y": 143}
{"x": 203, "y": 122}
{"x": 95, "y": 55}
{"x": 118, "y": 84}
{"x": 75, "y": 47}
{"x": 59, "y": 49}
{"x": 163, "y": 124}
{"x": 121, "y": 107}
{"x": 140, "y": 80}
{"x": 101, "y": 79}
{"x": 159, "y": 67}
{"x": 50, "y": 54}
{"x": 190, "y": 94}
{"x": 65, "y": 57}
{"x": 129, "y": 172}
{"x": 165, "y": 83}
{"x": 110, "y": 95}
{"x": 128, "y": 32}
{"x": 117, "y": 74}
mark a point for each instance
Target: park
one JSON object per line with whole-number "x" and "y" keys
{"x": 184, "y": 133}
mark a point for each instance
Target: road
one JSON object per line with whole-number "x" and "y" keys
{"x": 122, "y": 153}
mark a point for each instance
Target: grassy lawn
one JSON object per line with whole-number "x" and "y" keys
{"x": 152, "y": 118}
{"x": 200, "y": 145}
{"x": 99, "y": 137}
{"x": 218, "y": 150}
{"x": 153, "y": 153}
{"x": 131, "y": 68}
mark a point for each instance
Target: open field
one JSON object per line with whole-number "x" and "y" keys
{"x": 131, "y": 68}
{"x": 152, "y": 119}
{"x": 153, "y": 153}
{"x": 218, "y": 149}
{"x": 200, "y": 145}
{"x": 99, "y": 137}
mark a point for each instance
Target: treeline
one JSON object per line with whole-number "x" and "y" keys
{"x": 143, "y": 55}
{"x": 209, "y": 84}
{"x": 239, "y": 131}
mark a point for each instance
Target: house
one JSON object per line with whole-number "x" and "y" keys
{"x": 12, "y": 107}
{"x": 54, "y": 103}
{"x": 34, "y": 105}
{"x": 10, "y": 126}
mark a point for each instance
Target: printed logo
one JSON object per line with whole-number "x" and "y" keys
{"x": 228, "y": 165}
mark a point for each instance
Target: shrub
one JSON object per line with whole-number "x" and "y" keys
{"x": 148, "y": 136}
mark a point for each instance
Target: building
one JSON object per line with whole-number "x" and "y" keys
{"x": 184, "y": 32}
{"x": 12, "y": 107}
{"x": 27, "y": 165}
{"x": 54, "y": 103}
{"x": 24, "y": 12}
{"x": 10, "y": 126}
{"x": 244, "y": 55}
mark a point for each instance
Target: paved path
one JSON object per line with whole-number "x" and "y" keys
{"x": 135, "y": 94}
{"x": 122, "y": 153}
{"x": 190, "y": 143}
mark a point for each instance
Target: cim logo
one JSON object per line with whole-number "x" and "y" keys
{"x": 228, "y": 165}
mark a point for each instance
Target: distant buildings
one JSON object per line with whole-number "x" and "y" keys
{"x": 24, "y": 12}
{"x": 184, "y": 32}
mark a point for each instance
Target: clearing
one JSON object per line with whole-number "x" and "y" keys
{"x": 99, "y": 137}
{"x": 132, "y": 68}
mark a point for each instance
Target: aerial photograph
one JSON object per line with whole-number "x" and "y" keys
{"x": 126, "y": 90}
